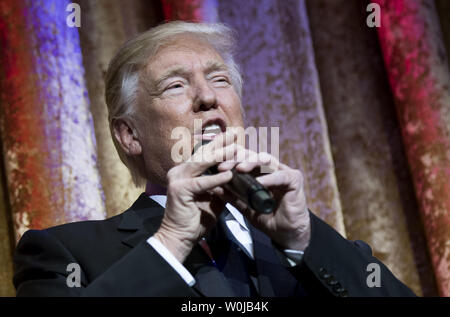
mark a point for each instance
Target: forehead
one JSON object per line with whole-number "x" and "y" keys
{"x": 183, "y": 51}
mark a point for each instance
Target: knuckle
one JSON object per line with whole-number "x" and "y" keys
{"x": 298, "y": 176}
{"x": 287, "y": 177}
{"x": 194, "y": 184}
{"x": 174, "y": 188}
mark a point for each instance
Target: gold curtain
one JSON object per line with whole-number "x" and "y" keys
{"x": 376, "y": 198}
{"x": 282, "y": 90}
{"x": 107, "y": 24}
{"x": 418, "y": 70}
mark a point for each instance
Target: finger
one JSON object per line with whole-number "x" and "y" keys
{"x": 227, "y": 165}
{"x": 240, "y": 155}
{"x": 278, "y": 178}
{"x": 221, "y": 140}
{"x": 202, "y": 184}
{"x": 217, "y": 191}
{"x": 228, "y": 197}
{"x": 193, "y": 168}
{"x": 220, "y": 154}
{"x": 263, "y": 159}
{"x": 254, "y": 217}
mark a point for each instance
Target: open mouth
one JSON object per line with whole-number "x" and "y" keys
{"x": 211, "y": 128}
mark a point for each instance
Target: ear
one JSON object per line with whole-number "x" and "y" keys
{"x": 127, "y": 138}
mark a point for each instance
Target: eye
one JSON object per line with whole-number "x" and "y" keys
{"x": 221, "y": 80}
{"x": 174, "y": 86}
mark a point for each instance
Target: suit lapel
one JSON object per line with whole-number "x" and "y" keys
{"x": 262, "y": 253}
{"x": 273, "y": 278}
{"x": 209, "y": 280}
{"x": 144, "y": 218}
{"x": 234, "y": 265}
{"x": 141, "y": 220}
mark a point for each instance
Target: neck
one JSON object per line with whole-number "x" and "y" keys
{"x": 154, "y": 189}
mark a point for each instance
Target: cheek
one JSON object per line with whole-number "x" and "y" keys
{"x": 164, "y": 115}
{"x": 168, "y": 124}
{"x": 174, "y": 109}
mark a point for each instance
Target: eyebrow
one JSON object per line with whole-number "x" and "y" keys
{"x": 180, "y": 71}
{"x": 214, "y": 67}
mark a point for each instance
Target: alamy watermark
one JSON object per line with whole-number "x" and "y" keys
{"x": 374, "y": 278}
{"x": 374, "y": 18}
{"x": 73, "y": 19}
{"x": 74, "y": 277}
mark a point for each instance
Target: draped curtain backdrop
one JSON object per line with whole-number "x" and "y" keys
{"x": 363, "y": 112}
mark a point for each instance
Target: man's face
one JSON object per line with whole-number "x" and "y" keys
{"x": 186, "y": 80}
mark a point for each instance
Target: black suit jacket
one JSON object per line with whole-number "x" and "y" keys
{"x": 116, "y": 260}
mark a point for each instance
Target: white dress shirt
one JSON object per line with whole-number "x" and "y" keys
{"x": 237, "y": 226}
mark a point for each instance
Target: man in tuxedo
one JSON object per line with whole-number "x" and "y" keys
{"x": 187, "y": 235}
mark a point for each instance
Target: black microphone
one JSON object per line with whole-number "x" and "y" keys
{"x": 245, "y": 187}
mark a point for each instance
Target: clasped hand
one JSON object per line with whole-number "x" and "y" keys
{"x": 195, "y": 201}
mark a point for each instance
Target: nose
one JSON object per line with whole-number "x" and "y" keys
{"x": 205, "y": 97}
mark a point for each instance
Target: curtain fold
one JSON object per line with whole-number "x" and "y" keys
{"x": 281, "y": 89}
{"x": 418, "y": 71}
{"x": 106, "y": 25}
{"x": 6, "y": 241}
{"x": 376, "y": 193}
{"x": 443, "y": 11}
{"x": 47, "y": 132}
